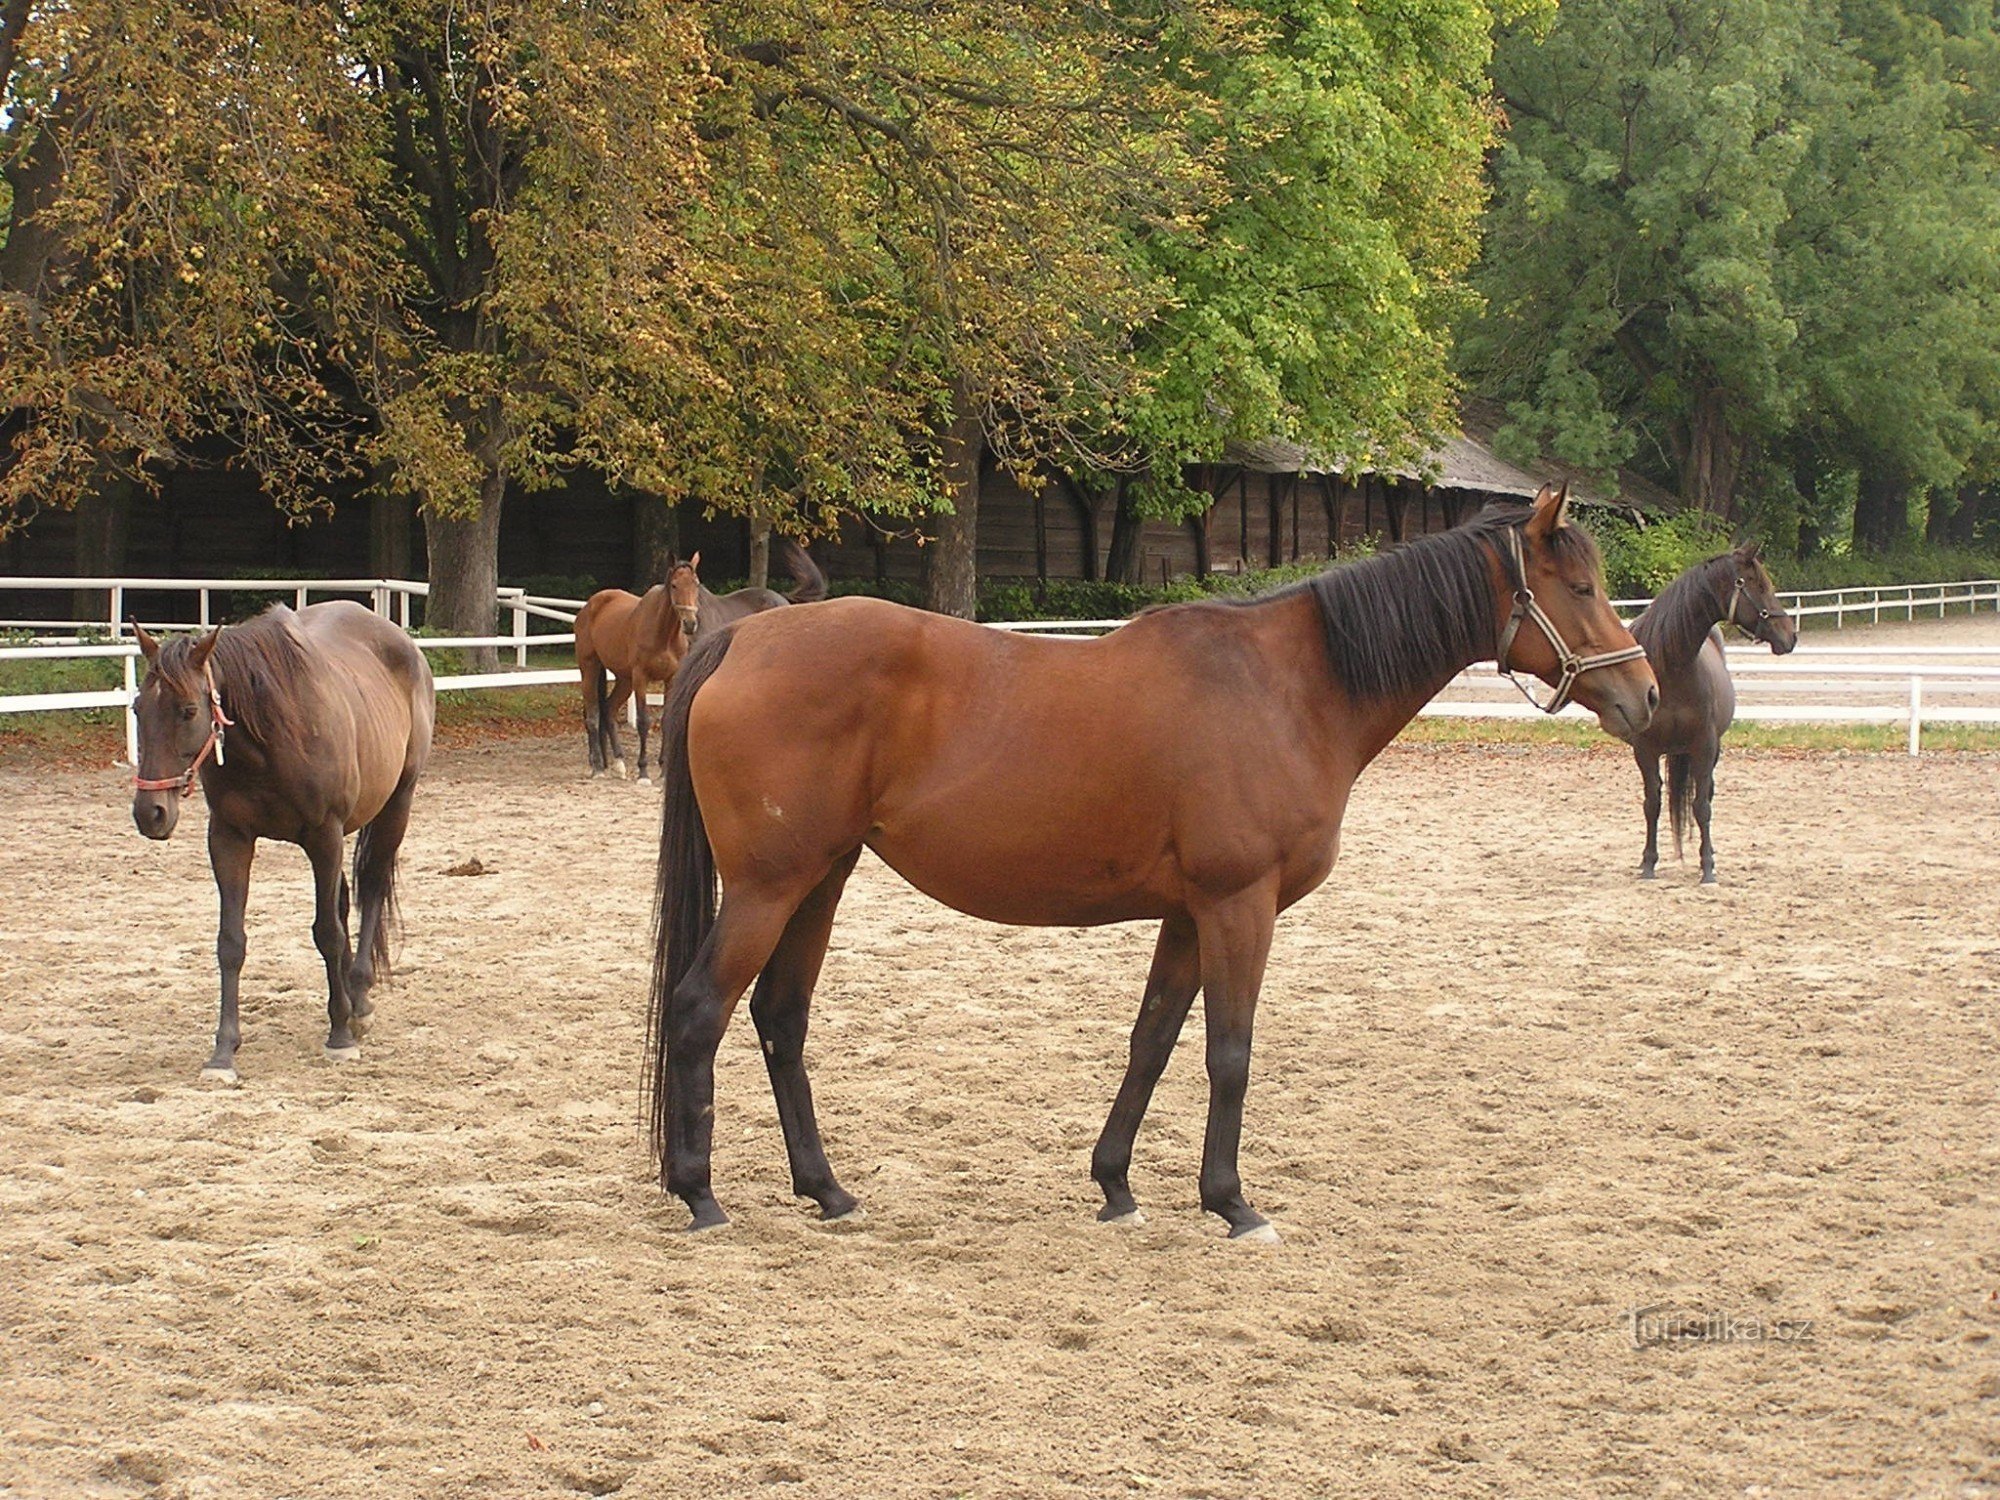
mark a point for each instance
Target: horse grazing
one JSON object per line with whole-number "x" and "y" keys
{"x": 1681, "y": 631}
{"x": 1190, "y": 768}
{"x": 702, "y": 610}
{"x": 303, "y": 727}
{"x": 639, "y": 643}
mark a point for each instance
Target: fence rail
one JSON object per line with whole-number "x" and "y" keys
{"x": 1913, "y": 677}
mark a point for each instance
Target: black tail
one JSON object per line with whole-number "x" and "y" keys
{"x": 1680, "y": 791}
{"x": 811, "y": 583}
{"x": 684, "y": 890}
{"x": 375, "y": 877}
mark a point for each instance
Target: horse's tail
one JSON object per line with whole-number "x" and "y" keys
{"x": 684, "y": 890}
{"x": 810, "y": 581}
{"x": 375, "y": 878}
{"x": 1680, "y": 790}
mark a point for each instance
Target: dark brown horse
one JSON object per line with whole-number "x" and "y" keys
{"x": 1681, "y": 631}
{"x": 638, "y": 643}
{"x": 303, "y": 727}
{"x": 701, "y": 610}
{"x": 1190, "y": 769}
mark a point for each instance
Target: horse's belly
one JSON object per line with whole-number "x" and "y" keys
{"x": 1056, "y": 879}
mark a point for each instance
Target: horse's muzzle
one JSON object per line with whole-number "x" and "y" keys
{"x": 156, "y": 813}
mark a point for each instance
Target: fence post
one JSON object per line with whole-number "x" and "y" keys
{"x": 131, "y": 716}
{"x": 1916, "y": 713}
{"x": 203, "y": 595}
{"x": 520, "y": 632}
{"x": 301, "y": 597}
{"x": 117, "y": 608}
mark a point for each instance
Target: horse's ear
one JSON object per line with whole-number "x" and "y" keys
{"x": 1551, "y": 511}
{"x": 1751, "y": 551}
{"x": 148, "y": 647}
{"x": 201, "y": 650}
{"x": 695, "y": 561}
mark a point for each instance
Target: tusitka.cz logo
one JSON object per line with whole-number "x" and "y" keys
{"x": 1668, "y": 1324}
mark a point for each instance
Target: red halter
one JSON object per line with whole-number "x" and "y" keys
{"x": 218, "y": 722}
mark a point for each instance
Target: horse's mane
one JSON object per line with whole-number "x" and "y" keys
{"x": 262, "y": 669}
{"x": 1679, "y": 620}
{"x": 1392, "y": 621}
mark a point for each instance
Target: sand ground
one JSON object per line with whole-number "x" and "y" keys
{"x": 1503, "y": 1094}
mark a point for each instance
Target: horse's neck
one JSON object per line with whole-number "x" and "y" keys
{"x": 1679, "y": 650}
{"x": 1353, "y": 730}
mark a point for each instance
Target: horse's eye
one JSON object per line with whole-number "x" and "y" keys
{"x": 187, "y": 710}
{"x": 1583, "y": 590}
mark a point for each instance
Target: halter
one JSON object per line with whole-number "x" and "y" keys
{"x": 1742, "y": 591}
{"x": 1525, "y": 608}
{"x": 218, "y": 722}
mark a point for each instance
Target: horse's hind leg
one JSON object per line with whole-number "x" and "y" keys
{"x": 1170, "y": 990}
{"x": 375, "y": 879}
{"x": 780, "y": 1005}
{"x": 1704, "y": 796}
{"x": 639, "y": 705}
{"x": 324, "y": 846}
{"x": 747, "y": 930}
{"x": 1649, "y": 768}
{"x": 614, "y": 753}
{"x": 229, "y": 855}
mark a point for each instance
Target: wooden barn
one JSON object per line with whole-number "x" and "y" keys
{"x": 1271, "y": 505}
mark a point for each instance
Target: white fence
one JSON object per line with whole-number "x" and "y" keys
{"x": 1905, "y": 685}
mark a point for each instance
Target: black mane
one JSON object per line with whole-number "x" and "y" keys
{"x": 1393, "y": 622}
{"x": 1679, "y": 620}
{"x": 262, "y": 668}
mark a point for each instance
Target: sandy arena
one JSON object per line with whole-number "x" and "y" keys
{"x": 1503, "y": 1094}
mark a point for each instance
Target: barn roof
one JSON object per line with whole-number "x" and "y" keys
{"x": 1466, "y": 461}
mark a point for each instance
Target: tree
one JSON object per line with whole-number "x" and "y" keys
{"x": 1314, "y": 298}
{"x": 1732, "y": 246}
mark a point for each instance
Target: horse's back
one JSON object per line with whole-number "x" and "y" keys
{"x": 381, "y": 677}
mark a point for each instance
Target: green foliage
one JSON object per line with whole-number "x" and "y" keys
{"x": 1639, "y": 561}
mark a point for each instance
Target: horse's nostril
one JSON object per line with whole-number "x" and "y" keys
{"x": 1653, "y": 698}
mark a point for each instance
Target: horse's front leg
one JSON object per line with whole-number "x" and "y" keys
{"x": 229, "y": 855}
{"x": 1170, "y": 992}
{"x": 639, "y": 687}
{"x": 325, "y": 846}
{"x": 1235, "y": 940}
{"x": 1649, "y": 768}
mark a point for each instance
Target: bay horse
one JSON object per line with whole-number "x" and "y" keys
{"x": 1681, "y": 631}
{"x": 1190, "y": 768}
{"x": 637, "y": 642}
{"x": 700, "y": 609}
{"x": 303, "y": 727}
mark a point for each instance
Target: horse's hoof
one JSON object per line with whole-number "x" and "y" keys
{"x": 645, "y": 781}
{"x": 618, "y": 769}
{"x": 1708, "y": 879}
{"x": 1257, "y": 1234}
{"x": 1648, "y": 875}
{"x": 1132, "y": 1217}
{"x": 846, "y": 1216}
{"x": 225, "y": 1076}
{"x": 343, "y": 1054}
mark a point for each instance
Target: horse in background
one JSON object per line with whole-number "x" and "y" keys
{"x": 700, "y": 609}
{"x": 302, "y": 727}
{"x": 1191, "y": 769}
{"x": 626, "y": 644}
{"x": 1681, "y": 631}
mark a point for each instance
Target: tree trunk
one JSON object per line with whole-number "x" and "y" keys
{"x": 103, "y": 525}
{"x": 951, "y": 561}
{"x": 655, "y": 535}
{"x": 760, "y": 553}
{"x": 1711, "y": 456}
{"x": 1805, "y": 479}
{"x": 389, "y": 536}
{"x": 1975, "y": 502}
{"x": 465, "y": 573}
{"x": 1124, "y": 558}
{"x": 1881, "y": 510}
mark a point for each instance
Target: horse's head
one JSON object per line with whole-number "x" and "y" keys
{"x": 1553, "y": 620}
{"x": 684, "y": 590}
{"x": 1753, "y": 602}
{"x": 180, "y": 725}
